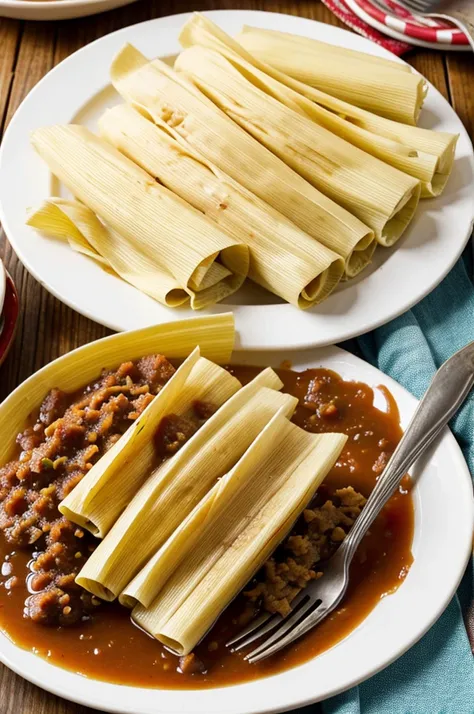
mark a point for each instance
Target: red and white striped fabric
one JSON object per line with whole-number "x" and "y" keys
{"x": 349, "y": 18}
{"x": 372, "y": 18}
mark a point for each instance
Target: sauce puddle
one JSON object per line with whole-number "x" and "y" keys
{"x": 109, "y": 647}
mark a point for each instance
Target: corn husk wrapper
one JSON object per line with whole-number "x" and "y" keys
{"x": 69, "y": 221}
{"x": 162, "y": 95}
{"x": 214, "y": 334}
{"x": 325, "y": 49}
{"x": 101, "y": 496}
{"x": 382, "y": 197}
{"x": 191, "y": 248}
{"x": 73, "y": 222}
{"x": 175, "y": 487}
{"x": 422, "y": 153}
{"x": 248, "y": 513}
{"x": 283, "y": 258}
{"x": 388, "y": 88}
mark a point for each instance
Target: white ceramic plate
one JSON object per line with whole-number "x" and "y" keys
{"x": 78, "y": 90}
{"x": 56, "y": 9}
{"x": 443, "y": 533}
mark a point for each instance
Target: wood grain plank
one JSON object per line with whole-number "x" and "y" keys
{"x": 35, "y": 58}
{"x": 431, "y": 64}
{"x": 460, "y": 78}
{"x": 10, "y": 32}
{"x": 47, "y": 328}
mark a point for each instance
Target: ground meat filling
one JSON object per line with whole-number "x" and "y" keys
{"x": 191, "y": 664}
{"x": 315, "y": 538}
{"x": 69, "y": 436}
{"x": 174, "y": 431}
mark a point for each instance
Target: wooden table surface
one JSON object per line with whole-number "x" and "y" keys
{"x": 47, "y": 329}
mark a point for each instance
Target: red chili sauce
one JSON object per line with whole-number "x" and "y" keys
{"x": 108, "y": 646}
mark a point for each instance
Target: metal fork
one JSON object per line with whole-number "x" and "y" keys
{"x": 461, "y": 12}
{"x": 448, "y": 390}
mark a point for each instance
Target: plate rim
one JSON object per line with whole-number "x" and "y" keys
{"x": 43, "y": 4}
{"x": 308, "y": 332}
{"x": 51, "y": 10}
{"x": 450, "y": 449}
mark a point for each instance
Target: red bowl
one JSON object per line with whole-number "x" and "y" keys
{"x": 9, "y": 318}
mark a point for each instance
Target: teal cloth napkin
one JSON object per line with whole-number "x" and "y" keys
{"x": 436, "y": 676}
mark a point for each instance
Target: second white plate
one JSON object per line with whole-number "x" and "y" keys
{"x": 443, "y": 534}
{"x": 78, "y": 90}
{"x": 56, "y": 9}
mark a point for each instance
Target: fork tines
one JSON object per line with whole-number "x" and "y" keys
{"x": 419, "y": 5}
{"x": 266, "y": 624}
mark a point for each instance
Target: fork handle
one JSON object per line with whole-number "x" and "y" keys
{"x": 447, "y": 391}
